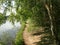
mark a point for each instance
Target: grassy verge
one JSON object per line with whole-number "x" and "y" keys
{"x": 19, "y": 36}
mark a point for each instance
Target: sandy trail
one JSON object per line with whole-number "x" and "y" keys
{"x": 28, "y": 38}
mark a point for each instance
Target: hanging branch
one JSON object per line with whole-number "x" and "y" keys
{"x": 50, "y": 17}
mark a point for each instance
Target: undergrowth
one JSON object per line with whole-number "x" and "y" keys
{"x": 19, "y": 36}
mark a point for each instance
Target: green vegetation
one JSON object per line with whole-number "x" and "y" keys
{"x": 19, "y": 38}
{"x": 2, "y": 19}
{"x": 39, "y": 13}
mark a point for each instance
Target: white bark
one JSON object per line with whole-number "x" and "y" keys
{"x": 50, "y": 17}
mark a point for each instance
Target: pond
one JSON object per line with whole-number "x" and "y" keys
{"x": 8, "y": 31}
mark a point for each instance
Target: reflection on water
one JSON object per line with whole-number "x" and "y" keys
{"x": 8, "y": 25}
{"x": 8, "y": 30}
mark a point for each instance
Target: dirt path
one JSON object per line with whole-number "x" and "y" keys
{"x": 28, "y": 38}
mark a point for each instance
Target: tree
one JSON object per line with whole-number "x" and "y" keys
{"x": 37, "y": 13}
{"x": 56, "y": 11}
{"x": 2, "y": 19}
{"x": 40, "y": 14}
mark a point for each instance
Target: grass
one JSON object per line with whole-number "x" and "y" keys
{"x": 19, "y": 37}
